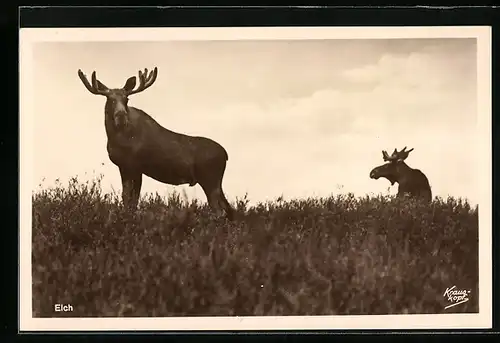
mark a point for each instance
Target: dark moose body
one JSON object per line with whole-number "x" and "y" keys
{"x": 139, "y": 145}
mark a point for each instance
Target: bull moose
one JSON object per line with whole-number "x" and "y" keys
{"x": 411, "y": 181}
{"x": 137, "y": 145}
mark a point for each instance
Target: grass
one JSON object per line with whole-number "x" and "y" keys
{"x": 340, "y": 255}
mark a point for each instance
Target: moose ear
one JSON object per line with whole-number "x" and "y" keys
{"x": 130, "y": 84}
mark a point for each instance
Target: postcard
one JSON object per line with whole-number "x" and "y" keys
{"x": 271, "y": 178}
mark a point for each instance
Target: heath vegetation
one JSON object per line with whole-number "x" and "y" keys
{"x": 339, "y": 255}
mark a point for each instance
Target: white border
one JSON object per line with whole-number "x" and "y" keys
{"x": 439, "y": 321}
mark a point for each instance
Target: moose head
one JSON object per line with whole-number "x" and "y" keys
{"x": 411, "y": 181}
{"x": 117, "y": 98}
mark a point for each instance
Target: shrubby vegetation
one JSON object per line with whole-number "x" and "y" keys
{"x": 317, "y": 256}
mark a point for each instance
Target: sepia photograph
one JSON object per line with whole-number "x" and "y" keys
{"x": 255, "y": 178}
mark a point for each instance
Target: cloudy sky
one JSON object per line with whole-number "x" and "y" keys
{"x": 298, "y": 118}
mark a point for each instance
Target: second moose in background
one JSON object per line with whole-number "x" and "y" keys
{"x": 412, "y": 182}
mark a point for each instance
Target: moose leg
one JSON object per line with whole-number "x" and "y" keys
{"x": 131, "y": 187}
{"x": 214, "y": 198}
{"x": 227, "y": 206}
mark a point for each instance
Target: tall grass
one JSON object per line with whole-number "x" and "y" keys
{"x": 337, "y": 255}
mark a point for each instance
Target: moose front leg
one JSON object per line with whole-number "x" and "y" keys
{"x": 131, "y": 187}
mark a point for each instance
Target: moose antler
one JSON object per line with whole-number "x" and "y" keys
{"x": 403, "y": 154}
{"x": 392, "y": 157}
{"x": 97, "y": 86}
{"x": 145, "y": 80}
{"x": 396, "y": 155}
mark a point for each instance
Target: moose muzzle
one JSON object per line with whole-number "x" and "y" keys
{"x": 120, "y": 118}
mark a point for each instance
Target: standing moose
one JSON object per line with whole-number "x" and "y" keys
{"x": 411, "y": 181}
{"x": 138, "y": 145}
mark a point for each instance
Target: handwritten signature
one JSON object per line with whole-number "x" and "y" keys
{"x": 456, "y": 296}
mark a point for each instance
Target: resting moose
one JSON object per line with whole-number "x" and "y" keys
{"x": 138, "y": 145}
{"x": 411, "y": 181}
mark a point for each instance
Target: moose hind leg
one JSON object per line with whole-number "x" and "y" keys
{"x": 131, "y": 187}
{"x": 214, "y": 199}
{"x": 227, "y": 206}
{"x": 220, "y": 203}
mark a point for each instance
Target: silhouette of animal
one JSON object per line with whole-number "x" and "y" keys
{"x": 411, "y": 181}
{"x": 138, "y": 145}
